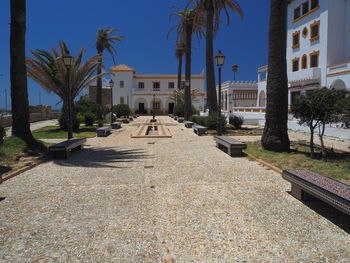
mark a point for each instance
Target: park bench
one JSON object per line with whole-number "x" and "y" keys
{"x": 103, "y": 131}
{"x": 171, "y": 115}
{"x": 134, "y": 116}
{"x": 175, "y": 117}
{"x": 63, "y": 149}
{"x": 130, "y": 118}
{"x": 125, "y": 120}
{"x": 116, "y": 125}
{"x": 180, "y": 120}
{"x": 199, "y": 130}
{"x": 307, "y": 184}
{"x": 232, "y": 146}
{"x": 188, "y": 124}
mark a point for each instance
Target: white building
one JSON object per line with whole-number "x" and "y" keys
{"x": 318, "y": 45}
{"x": 143, "y": 93}
{"x": 238, "y": 94}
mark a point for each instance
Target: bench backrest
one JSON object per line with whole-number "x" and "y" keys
{"x": 228, "y": 140}
{"x": 199, "y": 127}
{"x": 104, "y": 128}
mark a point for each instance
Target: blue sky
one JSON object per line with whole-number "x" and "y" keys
{"x": 145, "y": 25}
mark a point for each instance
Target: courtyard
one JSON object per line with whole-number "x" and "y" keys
{"x": 176, "y": 199}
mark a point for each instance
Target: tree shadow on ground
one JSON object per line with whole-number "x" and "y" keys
{"x": 103, "y": 157}
{"x": 327, "y": 211}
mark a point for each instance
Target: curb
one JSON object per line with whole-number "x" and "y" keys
{"x": 22, "y": 170}
{"x": 266, "y": 164}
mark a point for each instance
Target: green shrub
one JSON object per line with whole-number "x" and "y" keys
{"x": 236, "y": 121}
{"x": 208, "y": 121}
{"x": 2, "y": 131}
{"x": 63, "y": 123}
{"x": 89, "y": 118}
{"x": 121, "y": 110}
{"x": 100, "y": 124}
{"x": 180, "y": 110}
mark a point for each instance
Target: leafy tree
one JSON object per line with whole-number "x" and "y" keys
{"x": 19, "y": 90}
{"x": 50, "y": 72}
{"x": 343, "y": 108}
{"x": 212, "y": 9}
{"x": 2, "y": 131}
{"x": 105, "y": 41}
{"x": 236, "y": 121}
{"x": 84, "y": 105}
{"x": 121, "y": 110}
{"x": 275, "y": 136}
{"x": 89, "y": 118}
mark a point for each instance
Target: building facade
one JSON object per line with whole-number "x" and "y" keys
{"x": 143, "y": 93}
{"x": 238, "y": 94}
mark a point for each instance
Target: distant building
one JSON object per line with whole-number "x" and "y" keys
{"x": 238, "y": 94}
{"x": 106, "y": 95}
{"x": 143, "y": 93}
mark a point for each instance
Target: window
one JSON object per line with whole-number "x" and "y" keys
{"x": 141, "y": 85}
{"x": 314, "y": 4}
{"x": 156, "y": 105}
{"x": 121, "y": 84}
{"x": 304, "y": 62}
{"x": 297, "y": 12}
{"x": 305, "y": 32}
{"x": 295, "y": 64}
{"x": 156, "y": 85}
{"x": 121, "y": 100}
{"x": 305, "y": 7}
{"x": 296, "y": 39}
{"x": 171, "y": 85}
{"x": 315, "y": 31}
{"x": 314, "y": 59}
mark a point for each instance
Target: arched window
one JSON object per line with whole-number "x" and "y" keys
{"x": 121, "y": 100}
{"x": 121, "y": 84}
{"x": 304, "y": 62}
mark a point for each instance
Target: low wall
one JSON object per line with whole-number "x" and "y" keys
{"x": 33, "y": 117}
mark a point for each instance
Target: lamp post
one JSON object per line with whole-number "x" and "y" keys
{"x": 68, "y": 62}
{"x": 234, "y": 69}
{"x": 111, "y": 85}
{"x": 220, "y": 60}
{"x": 154, "y": 106}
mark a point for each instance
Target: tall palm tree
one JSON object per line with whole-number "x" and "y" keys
{"x": 105, "y": 41}
{"x": 275, "y": 136}
{"x": 19, "y": 89}
{"x": 50, "y": 72}
{"x": 179, "y": 53}
{"x": 212, "y": 10}
{"x": 188, "y": 24}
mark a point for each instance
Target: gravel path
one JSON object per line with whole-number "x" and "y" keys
{"x": 37, "y": 125}
{"x": 160, "y": 200}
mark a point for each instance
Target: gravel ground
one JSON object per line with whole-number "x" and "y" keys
{"x": 161, "y": 200}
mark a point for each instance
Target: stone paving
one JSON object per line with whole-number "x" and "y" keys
{"x": 160, "y": 200}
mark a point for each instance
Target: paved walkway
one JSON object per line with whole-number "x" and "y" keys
{"x": 37, "y": 125}
{"x": 161, "y": 200}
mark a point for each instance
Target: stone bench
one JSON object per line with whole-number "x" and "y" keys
{"x": 232, "y": 146}
{"x": 307, "y": 184}
{"x": 171, "y": 115}
{"x": 63, "y": 149}
{"x": 199, "y": 130}
{"x": 175, "y": 117}
{"x": 125, "y": 120}
{"x": 103, "y": 131}
{"x": 188, "y": 124}
{"x": 180, "y": 120}
{"x": 116, "y": 125}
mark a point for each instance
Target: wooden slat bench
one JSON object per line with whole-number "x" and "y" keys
{"x": 116, "y": 125}
{"x": 188, "y": 124}
{"x": 180, "y": 120}
{"x": 63, "y": 149}
{"x": 103, "y": 131}
{"x": 307, "y": 184}
{"x": 199, "y": 130}
{"x": 232, "y": 146}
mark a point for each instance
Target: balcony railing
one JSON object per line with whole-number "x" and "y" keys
{"x": 304, "y": 75}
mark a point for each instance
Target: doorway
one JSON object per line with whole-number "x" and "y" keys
{"x": 171, "y": 107}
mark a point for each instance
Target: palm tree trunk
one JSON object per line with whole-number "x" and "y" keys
{"x": 179, "y": 77}
{"x": 211, "y": 89}
{"x": 19, "y": 90}
{"x": 275, "y": 137}
{"x": 99, "y": 85}
{"x": 188, "y": 103}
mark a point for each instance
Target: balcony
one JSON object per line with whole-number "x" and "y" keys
{"x": 338, "y": 69}
{"x": 304, "y": 75}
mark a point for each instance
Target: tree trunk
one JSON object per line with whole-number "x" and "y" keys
{"x": 99, "y": 85}
{"x": 179, "y": 77}
{"x": 320, "y": 134}
{"x": 188, "y": 103}
{"x": 275, "y": 136}
{"x": 64, "y": 117}
{"x": 19, "y": 90}
{"x": 312, "y": 148}
{"x": 209, "y": 36}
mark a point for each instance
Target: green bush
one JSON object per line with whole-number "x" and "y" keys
{"x": 208, "y": 121}
{"x": 121, "y": 110}
{"x": 236, "y": 121}
{"x": 180, "y": 110}
{"x": 89, "y": 118}
{"x": 2, "y": 131}
{"x": 63, "y": 123}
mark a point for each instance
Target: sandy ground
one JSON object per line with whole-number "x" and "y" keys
{"x": 162, "y": 200}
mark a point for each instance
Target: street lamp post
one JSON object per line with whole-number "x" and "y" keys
{"x": 154, "y": 107}
{"x": 68, "y": 62}
{"x": 234, "y": 69}
{"x": 220, "y": 60}
{"x": 111, "y": 85}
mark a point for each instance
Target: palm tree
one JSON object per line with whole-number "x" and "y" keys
{"x": 105, "y": 41}
{"x": 212, "y": 10}
{"x": 19, "y": 89}
{"x": 275, "y": 136}
{"x": 188, "y": 24}
{"x": 50, "y": 72}
{"x": 179, "y": 53}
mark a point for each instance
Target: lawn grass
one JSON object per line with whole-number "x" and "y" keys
{"x": 337, "y": 165}
{"x": 231, "y": 131}
{"x": 54, "y": 132}
{"x": 11, "y": 147}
